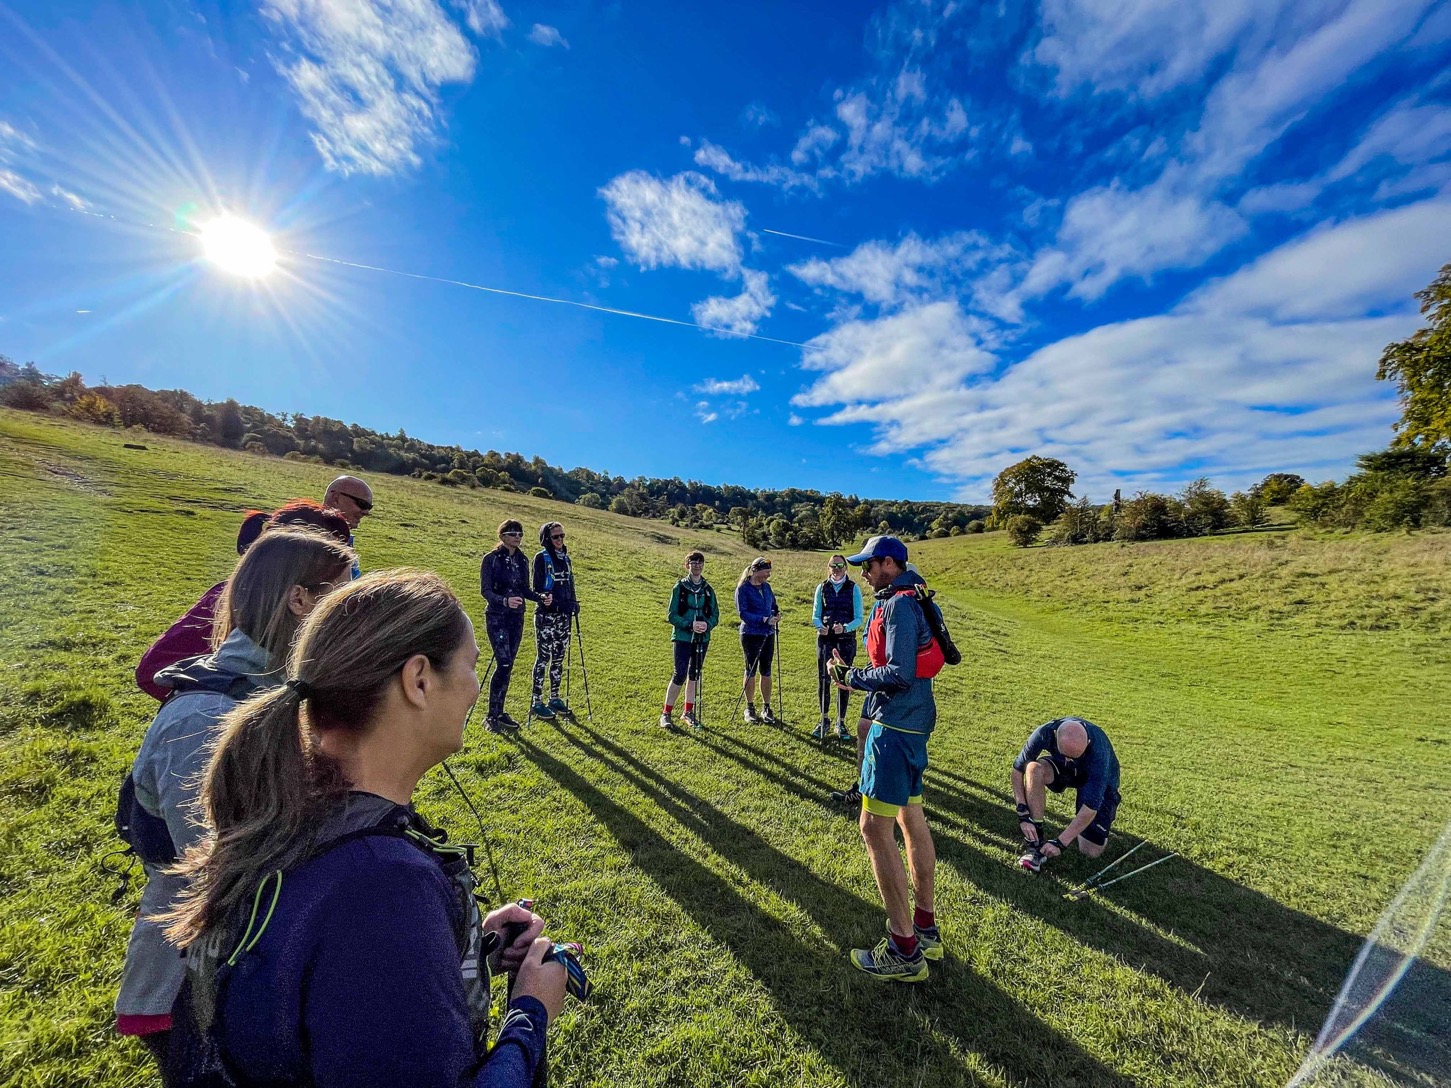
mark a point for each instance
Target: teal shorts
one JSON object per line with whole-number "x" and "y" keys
{"x": 892, "y": 770}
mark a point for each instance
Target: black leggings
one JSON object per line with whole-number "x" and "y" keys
{"x": 505, "y": 630}
{"x": 758, "y": 650}
{"x": 689, "y": 660}
{"x": 825, "y": 644}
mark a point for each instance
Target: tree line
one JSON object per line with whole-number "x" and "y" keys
{"x": 785, "y": 518}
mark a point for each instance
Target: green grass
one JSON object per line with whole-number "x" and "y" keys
{"x": 1278, "y": 701}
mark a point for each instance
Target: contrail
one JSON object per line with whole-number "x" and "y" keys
{"x": 545, "y": 298}
{"x": 803, "y": 238}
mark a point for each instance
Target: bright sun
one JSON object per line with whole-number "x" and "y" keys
{"x": 238, "y": 247}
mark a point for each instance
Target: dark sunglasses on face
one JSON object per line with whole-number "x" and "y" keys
{"x": 512, "y": 532}
{"x": 838, "y": 566}
{"x": 362, "y": 504}
{"x": 556, "y": 536}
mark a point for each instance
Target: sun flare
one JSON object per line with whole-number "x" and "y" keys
{"x": 238, "y": 247}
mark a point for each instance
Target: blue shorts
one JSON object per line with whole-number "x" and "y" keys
{"x": 1065, "y": 778}
{"x": 892, "y": 770}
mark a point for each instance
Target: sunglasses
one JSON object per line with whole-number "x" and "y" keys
{"x": 512, "y": 532}
{"x": 362, "y": 504}
{"x": 837, "y": 566}
{"x": 556, "y": 536}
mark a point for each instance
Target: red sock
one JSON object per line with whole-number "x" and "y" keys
{"x": 923, "y": 919}
{"x": 668, "y": 708}
{"x": 689, "y": 707}
{"x": 905, "y": 945}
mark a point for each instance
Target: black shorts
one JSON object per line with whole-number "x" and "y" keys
{"x": 759, "y": 650}
{"x": 1064, "y": 779}
{"x": 689, "y": 659}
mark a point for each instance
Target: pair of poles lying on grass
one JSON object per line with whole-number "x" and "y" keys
{"x": 1096, "y": 883}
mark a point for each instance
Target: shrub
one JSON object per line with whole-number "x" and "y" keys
{"x": 1078, "y": 524}
{"x": 1247, "y": 509}
{"x": 591, "y": 500}
{"x": 1023, "y": 529}
{"x": 1205, "y": 510}
{"x": 1148, "y": 516}
{"x": 541, "y": 492}
{"x": 94, "y": 408}
{"x": 976, "y": 525}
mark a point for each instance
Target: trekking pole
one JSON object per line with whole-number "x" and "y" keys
{"x": 1083, "y": 892}
{"x": 698, "y": 653}
{"x": 583, "y": 668}
{"x": 751, "y": 670}
{"x": 780, "y": 686}
{"x": 1093, "y": 880}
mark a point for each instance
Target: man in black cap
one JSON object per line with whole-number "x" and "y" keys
{"x": 903, "y": 658}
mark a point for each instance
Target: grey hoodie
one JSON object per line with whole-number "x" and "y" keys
{"x": 167, "y": 773}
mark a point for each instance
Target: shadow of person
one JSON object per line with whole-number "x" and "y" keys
{"x": 812, "y": 986}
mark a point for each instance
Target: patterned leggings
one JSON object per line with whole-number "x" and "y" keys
{"x": 551, "y": 636}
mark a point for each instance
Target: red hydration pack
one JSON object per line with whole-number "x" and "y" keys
{"x": 930, "y": 658}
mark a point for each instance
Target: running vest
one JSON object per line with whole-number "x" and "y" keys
{"x": 836, "y": 604}
{"x": 929, "y": 654}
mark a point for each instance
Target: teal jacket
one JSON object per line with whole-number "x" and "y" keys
{"x": 690, "y": 602}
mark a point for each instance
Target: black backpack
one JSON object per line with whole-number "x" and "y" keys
{"x": 146, "y": 836}
{"x": 936, "y": 623}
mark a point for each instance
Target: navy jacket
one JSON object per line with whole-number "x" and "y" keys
{"x": 756, "y": 605}
{"x": 1095, "y": 773}
{"x": 502, "y": 575}
{"x": 554, "y": 573}
{"x": 356, "y": 981}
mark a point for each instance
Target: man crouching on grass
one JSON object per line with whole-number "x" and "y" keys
{"x": 1066, "y": 753}
{"x": 902, "y": 711}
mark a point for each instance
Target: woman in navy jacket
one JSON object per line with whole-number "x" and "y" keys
{"x": 759, "y": 616}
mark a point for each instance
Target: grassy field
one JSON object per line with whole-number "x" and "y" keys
{"x": 1278, "y": 701}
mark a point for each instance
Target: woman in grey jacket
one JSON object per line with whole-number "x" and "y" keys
{"x": 274, "y": 587}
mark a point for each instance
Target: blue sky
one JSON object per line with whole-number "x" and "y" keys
{"x": 1157, "y": 239}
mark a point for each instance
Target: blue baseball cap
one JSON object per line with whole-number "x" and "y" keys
{"x": 880, "y": 547}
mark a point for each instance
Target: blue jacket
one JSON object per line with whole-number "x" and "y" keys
{"x": 358, "y": 979}
{"x": 896, "y": 696}
{"x": 756, "y": 605}
{"x": 1094, "y": 774}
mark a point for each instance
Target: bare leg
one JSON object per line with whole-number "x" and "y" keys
{"x": 751, "y": 690}
{"x": 879, "y": 834}
{"x": 765, "y": 689}
{"x": 1036, "y": 780}
{"x": 672, "y": 692}
{"x": 921, "y": 854}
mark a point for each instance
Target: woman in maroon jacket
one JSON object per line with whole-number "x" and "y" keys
{"x": 191, "y": 636}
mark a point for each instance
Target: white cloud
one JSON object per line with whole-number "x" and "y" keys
{"x": 19, "y": 187}
{"x": 484, "y": 17}
{"x": 547, "y": 36}
{"x": 675, "y": 222}
{"x": 1111, "y": 232}
{"x": 888, "y": 275}
{"x": 927, "y": 348}
{"x": 1280, "y": 61}
{"x": 897, "y": 130}
{"x": 740, "y": 315}
{"x": 794, "y": 420}
{"x": 1271, "y": 368}
{"x": 733, "y": 387}
{"x": 607, "y": 262}
{"x": 757, "y": 115}
{"x": 704, "y": 413}
{"x": 74, "y": 202}
{"x": 367, "y": 73}
{"x": 813, "y": 143}
{"x": 714, "y": 157}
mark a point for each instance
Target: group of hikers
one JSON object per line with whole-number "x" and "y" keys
{"x": 303, "y": 703}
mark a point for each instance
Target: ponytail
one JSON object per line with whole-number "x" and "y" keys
{"x": 261, "y": 791}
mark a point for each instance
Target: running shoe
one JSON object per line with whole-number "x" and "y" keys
{"x": 768, "y": 716}
{"x": 541, "y": 709}
{"x": 820, "y": 732}
{"x": 929, "y": 940}
{"x": 1032, "y": 861}
{"x": 502, "y": 725}
{"x": 506, "y": 720}
{"x": 849, "y": 796}
{"x": 841, "y": 733}
{"x": 886, "y": 963}
{"x": 667, "y": 722}
{"x": 752, "y": 718}
{"x": 690, "y": 720}
{"x": 558, "y": 705}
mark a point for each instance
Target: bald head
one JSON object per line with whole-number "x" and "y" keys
{"x": 350, "y": 497}
{"x": 1072, "y": 738}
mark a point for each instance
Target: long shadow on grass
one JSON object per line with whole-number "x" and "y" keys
{"x": 867, "y": 1031}
{"x": 1260, "y": 958}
